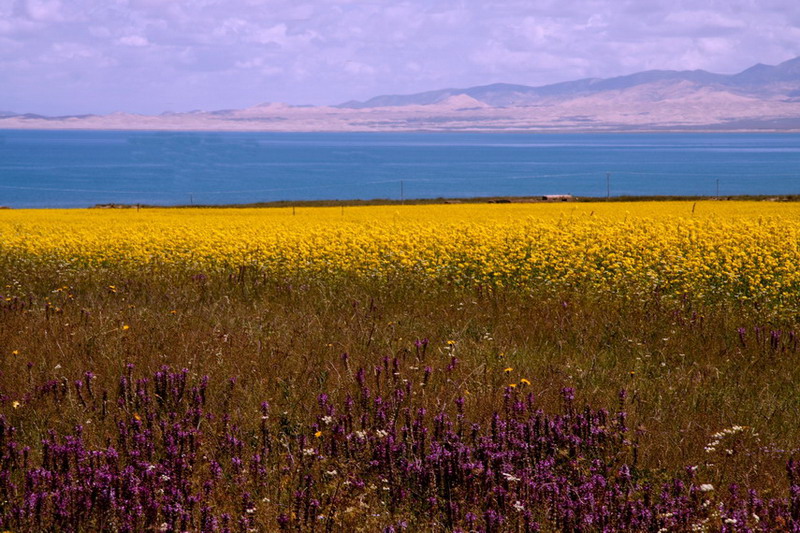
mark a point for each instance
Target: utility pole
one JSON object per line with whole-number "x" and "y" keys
{"x": 608, "y": 185}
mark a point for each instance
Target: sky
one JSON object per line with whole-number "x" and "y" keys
{"x": 151, "y": 56}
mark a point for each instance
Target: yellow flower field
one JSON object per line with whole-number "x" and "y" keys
{"x": 744, "y": 250}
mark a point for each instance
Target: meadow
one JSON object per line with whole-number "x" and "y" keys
{"x": 515, "y": 367}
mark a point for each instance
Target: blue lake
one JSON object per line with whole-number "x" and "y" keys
{"x": 84, "y": 168}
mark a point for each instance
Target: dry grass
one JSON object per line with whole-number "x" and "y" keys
{"x": 684, "y": 365}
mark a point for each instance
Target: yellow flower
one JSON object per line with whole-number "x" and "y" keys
{"x": 508, "y": 370}
{"x": 318, "y": 434}
{"x": 512, "y": 385}
{"x": 126, "y": 327}
{"x": 451, "y": 343}
{"x": 15, "y": 404}
{"x": 524, "y": 381}
{"x": 15, "y": 352}
{"x": 734, "y": 249}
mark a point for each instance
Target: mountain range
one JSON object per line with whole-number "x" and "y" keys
{"x": 760, "y": 81}
{"x": 762, "y": 97}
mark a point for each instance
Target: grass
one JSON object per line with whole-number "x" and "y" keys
{"x": 688, "y": 370}
{"x": 237, "y": 399}
{"x": 479, "y": 200}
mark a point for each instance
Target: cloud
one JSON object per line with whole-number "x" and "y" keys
{"x": 149, "y": 55}
{"x": 133, "y": 40}
{"x": 704, "y": 21}
{"x": 355, "y": 67}
{"x": 497, "y": 57}
{"x": 67, "y": 51}
{"x": 272, "y": 35}
{"x": 44, "y": 10}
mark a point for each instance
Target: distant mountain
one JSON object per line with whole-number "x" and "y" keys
{"x": 765, "y": 74}
{"x": 761, "y": 98}
{"x": 759, "y": 80}
{"x": 9, "y": 114}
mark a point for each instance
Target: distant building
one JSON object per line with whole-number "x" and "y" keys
{"x": 557, "y": 197}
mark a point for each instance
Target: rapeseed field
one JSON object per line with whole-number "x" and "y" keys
{"x": 737, "y": 250}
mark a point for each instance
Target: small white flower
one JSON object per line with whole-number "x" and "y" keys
{"x": 730, "y": 520}
{"x": 381, "y": 433}
{"x": 327, "y": 419}
{"x": 510, "y": 477}
{"x": 706, "y": 487}
{"x": 308, "y": 451}
{"x": 518, "y": 506}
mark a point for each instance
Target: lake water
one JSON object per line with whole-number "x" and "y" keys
{"x": 84, "y": 168}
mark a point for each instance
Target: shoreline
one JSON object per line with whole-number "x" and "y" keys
{"x": 452, "y": 201}
{"x": 534, "y": 130}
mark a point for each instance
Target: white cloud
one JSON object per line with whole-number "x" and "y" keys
{"x": 231, "y": 26}
{"x": 58, "y": 58}
{"x": 44, "y": 10}
{"x": 356, "y": 67}
{"x": 273, "y": 35}
{"x": 100, "y": 31}
{"x": 254, "y": 62}
{"x": 496, "y": 57}
{"x": 702, "y": 19}
{"x": 69, "y": 50}
{"x": 133, "y": 40}
{"x": 216, "y": 53}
